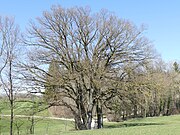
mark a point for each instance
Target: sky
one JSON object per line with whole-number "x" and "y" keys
{"x": 161, "y": 17}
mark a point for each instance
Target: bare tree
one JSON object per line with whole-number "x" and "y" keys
{"x": 9, "y": 39}
{"x": 92, "y": 52}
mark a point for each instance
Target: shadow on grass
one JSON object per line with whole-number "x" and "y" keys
{"x": 121, "y": 125}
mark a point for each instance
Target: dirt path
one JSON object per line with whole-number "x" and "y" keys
{"x": 40, "y": 117}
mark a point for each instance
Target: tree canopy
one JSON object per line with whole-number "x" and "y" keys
{"x": 94, "y": 53}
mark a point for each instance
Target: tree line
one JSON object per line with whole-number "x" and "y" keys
{"x": 89, "y": 63}
{"x": 148, "y": 93}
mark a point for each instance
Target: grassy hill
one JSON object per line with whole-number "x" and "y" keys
{"x": 22, "y": 107}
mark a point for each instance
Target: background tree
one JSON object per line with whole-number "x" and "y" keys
{"x": 150, "y": 91}
{"x": 9, "y": 40}
{"x": 52, "y": 81}
{"x": 92, "y": 52}
{"x": 176, "y": 66}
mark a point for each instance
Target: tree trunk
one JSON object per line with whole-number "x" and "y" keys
{"x": 78, "y": 123}
{"x": 83, "y": 115}
{"x": 135, "y": 110}
{"x": 89, "y": 119}
{"x": 32, "y": 125}
{"x": 168, "y": 106}
{"x": 164, "y": 107}
{"x": 90, "y": 109}
{"x": 82, "y": 111}
{"x": 80, "y": 116}
{"x": 11, "y": 98}
{"x": 99, "y": 115}
{"x": 12, "y": 118}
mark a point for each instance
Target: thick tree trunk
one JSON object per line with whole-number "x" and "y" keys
{"x": 83, "y": 115}
{"x": 89, "y": 119}
{"x": 90, "y": 109}
{"x": 79, "y": 124}
{"x": 80, "y": 116}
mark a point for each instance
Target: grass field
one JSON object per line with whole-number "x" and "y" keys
{"x": 167, "y": 125}
{"x": 42, "y": 126}
{"x": 21, "y": 108}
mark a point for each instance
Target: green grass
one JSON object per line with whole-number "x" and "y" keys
{"x": 42, "y": 126}
{"x": 22, "y": 108}
{"x": 168, "y": 125}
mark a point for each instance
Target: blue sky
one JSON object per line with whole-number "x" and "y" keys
{"x": 162, "y": 17}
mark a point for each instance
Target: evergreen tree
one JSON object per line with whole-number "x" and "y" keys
{"x": 52, "y": 81}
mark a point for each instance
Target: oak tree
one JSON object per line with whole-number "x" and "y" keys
{"x": 92, "y": 52}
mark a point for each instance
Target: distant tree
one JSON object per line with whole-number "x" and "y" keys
{"x": 9, "y": 41}
{"x": 176, "y": 67}
{"x": 152, "y": 91}
{"x": 92, "y": 52}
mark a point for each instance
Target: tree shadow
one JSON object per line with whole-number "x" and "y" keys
{"x": 121, "y": 125}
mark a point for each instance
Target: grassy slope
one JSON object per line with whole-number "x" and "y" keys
{"x": 21, "y": 108}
